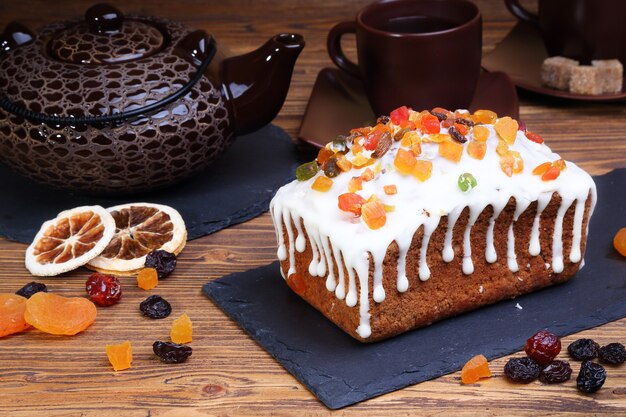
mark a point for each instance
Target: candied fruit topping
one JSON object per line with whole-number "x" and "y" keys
{"x": 481, "y": 133}
{"x": 507, "y": 128}
{"x": 511, "y": 163}
{"x": 619, "y": 241}
{"x": 430, "y": 124}
{"x": 373, "y": 214}
{"x": 155, "y": 307}
{"x": 405, "y": 161}
{"x": 361, "y": 161}
{"x": 120, "y": 356}
{"x": 542, "y": 168}
{"x": 583, "y": 349}
{"x": 487, "y": 117}
{"x": 475, "y": 369}
{"x": 351, "y": 202}
{"x": 422, "y": 170}
{"x": 104, "y": 290}
{"x": 372, "y": 138}
{"x": 461, "y": 127}
{"x": 456, "y": 135}
{"x": 59, "y": 315}
{"x": 390, "y": 189}
{"x": 522, "y": 370}
{"x": 182, "y": 330}
{"x": 551, "y": 174}
{"x": 170, "y": 352}
{"x": 466, "y": 182}
{"x": 12, "y": 307}
{"x": 612, "y": 354}
{"x": 399, "y": 115}
{"x": 591, "y": 377}
{"x": 355, "y": 184}
{"x": 161, "y": 260}
{"x": 343, "y": 163}
{"x": 560, "y": 164}
{"x": 330, "y": 167}
{"x": 556, "y": 372}
{"x": 322, "y": 184}
{"x": 383, "y": 145}
{"x": 323, "y": 155}
{"x": 307, "y": 171}
{"x": 367, "y": 174}
{"x": 534, "y": 137}
{"x": 543, "y": 347}
{"x": 147, "y": 278}
{"x": 450, "y": 150}
{"x": 296, "y": 283}
{"x": 477, "y": 150}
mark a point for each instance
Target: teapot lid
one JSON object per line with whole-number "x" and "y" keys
{"x": 106, "y": 37}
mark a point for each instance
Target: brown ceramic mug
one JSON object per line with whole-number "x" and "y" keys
{"x": 419, "y": 53}
{"x": 579, "y": 29}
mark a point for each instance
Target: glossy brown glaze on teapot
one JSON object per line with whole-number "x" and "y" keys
{"x": 115, "y": 104}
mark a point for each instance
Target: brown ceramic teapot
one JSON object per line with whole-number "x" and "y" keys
{"x": 116, "y": 104}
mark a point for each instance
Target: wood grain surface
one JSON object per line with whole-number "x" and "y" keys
{"x": 228, "y": 373}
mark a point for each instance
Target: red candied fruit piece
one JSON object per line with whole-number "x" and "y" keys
{"x": 543, "y": 347}
{"x": 399, "y": 115}
{"x": 551, "y": 174}
{"x": 371, "y": 139}
{"x": 430, "y": 124}
{"x": 534, "y": 137}
{"x": 351, "y": 202}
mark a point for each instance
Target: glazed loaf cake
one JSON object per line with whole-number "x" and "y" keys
{"x": 427, "y": 215}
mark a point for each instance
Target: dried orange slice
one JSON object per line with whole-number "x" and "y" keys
{"x": 70, "y": 240}
{"x": 140, "y": 229}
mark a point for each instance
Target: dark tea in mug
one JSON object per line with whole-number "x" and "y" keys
{"x": 416, "y": 24}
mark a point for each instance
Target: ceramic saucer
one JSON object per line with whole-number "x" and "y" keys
{"x": 338, "y": 104}
{"x": 520, "y": 55}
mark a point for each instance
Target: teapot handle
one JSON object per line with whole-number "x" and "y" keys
{"x": 521, "y": 13}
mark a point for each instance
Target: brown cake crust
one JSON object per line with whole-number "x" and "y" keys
{"x": 449, "y": 291}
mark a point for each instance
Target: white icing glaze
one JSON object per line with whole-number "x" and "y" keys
{"x": 341, "y": 242}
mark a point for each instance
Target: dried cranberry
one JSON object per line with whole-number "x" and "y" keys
{"x": 104, "y": 290}
{"x": 613, "y": 354}
{"x": 591, "y": 377}
{"x": 543, "y": 347}
{"x": 155, "y": 307}
{"x": 31, "y": 288}
{"x": 583, "y": 349}
{"x": 523, "y": 370}
{"x": 161, "y": 260}
{"x": 556, "y": 372}
{"x": 170, "y": 352}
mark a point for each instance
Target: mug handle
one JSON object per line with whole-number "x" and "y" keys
{"x": 333, "y": 44}
{"x": 521, "y": 13}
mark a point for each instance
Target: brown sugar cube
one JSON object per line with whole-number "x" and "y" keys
{"x": 556, "y": 72}
{"x": 585, "y": 80}
{"x": 610, "y": 74}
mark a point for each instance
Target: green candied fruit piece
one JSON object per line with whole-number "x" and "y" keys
{"x": 467, "y": 182}
{"x": 307, "y": 171}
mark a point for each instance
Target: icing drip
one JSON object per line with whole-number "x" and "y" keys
{"x": 534, "y": 247}
{"x": 557, "y": 237}
{"x": 403, "y": 282}
{"x": 424, "y": 270}
{"x": 292, "y": 258}
{"x": 510, "y": 251}
{"x": 340, "y": 288}
{"x": 575, "y": 254}
{"x": 448, "y": 251}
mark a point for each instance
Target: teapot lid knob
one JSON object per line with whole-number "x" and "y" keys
{"x": 104, "y": 18}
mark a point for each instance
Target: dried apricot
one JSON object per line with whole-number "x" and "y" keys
{"x": 12, "y": 308}
{"x": 120, "y": 356}
{"x": 147, "y": 278}
{"x": 619, "y": 241}
{"x": 55, "y": 314}
{"x": 182, "y": 330}
{"x": 474, "y": 369}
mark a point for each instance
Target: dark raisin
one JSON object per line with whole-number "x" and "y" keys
{"x": 155, "y": 307}
{"x": 383, "y": 119}
{"x": 170, "y": 352}
{"x": 104, "y": 290}
{"x": 440, "y": 116}
{"x": 466, "y": 122}
{"x": 163, "y": 261}
{"x": 556, "y": 372}
{"x": 31, "y": 288}
{"x": 543, "y": 347}
{"x": 340, "y": 144}
{"x": 383, "y": 145}
{"x": 456, "y": 135}
{"x": 400, "y": 133}
{"x": 523, "y": 370}
{"x": 591, "y": 377}
{"x": 583, "y": 349}
{"x": 613, "y": 354}
{"x": 331, "y": 170}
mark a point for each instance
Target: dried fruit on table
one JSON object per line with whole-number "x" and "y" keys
{"x": 170, "y": 352}
{"x": 322, "y": 184}
{"x": 373, "y": 214}
{"x": 477, "y": 150}
{"x": 556, "y": 372}
{"x": 475, "y": 369}
{"x": 351, "y": 202}
{"x": 451, "y": 150}
{"x": 487, "y": 117}
{"x": 543, "y": 347}
{"x": 104, "y": 290}
{"x": 583, "y": 349}
{"x": 12, "y": 309}
{"x": 507, "y": 128}
{"x": 612, "y": 354}
{"x": 55, "y": 314}
{"x": 466, "y": 182}
{"x": 147, "y": 279}
{"x": 163, "y": 261}
{"x": 591, "y": 377}
{"x": 619, "y": 241}
{"x": 155, "y": 307}
{"x": 422, "y": 170}
{"x": 31, "y": 288}
{"x": 182, "y": 330}
{"x": 120, "y": 356}
{"x": 140, "y": 229}
{"x": 481, "y": 133}
{"x": 522, "y": 370}
{"x": 70, "y": 240}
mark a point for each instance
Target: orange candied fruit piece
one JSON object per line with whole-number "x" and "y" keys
{"x": 351, "y": 202}
{"x": 475, "y": 369}
{"x": 438, "y": 138}
{"x": 323, "y": 155}
{"x": 361, "y": 161}
{"x": 430, "y": 124}
{"x": 477, "y": 150}
{"x": 367, "y": 175}
{"x": 405, "y": 161}
{"x": 390, "y": 189}
{"x": 461, "y": 128}
{"x": 296, "y": 283}
{"x": 55, "y": 314}
{"x": 120, "y": 356}
{"x": 343, "y": 163}
{"x": 422, "y": 170}
{"x": 551, "y": 174}
{"x": 12, "y": 307}
{"x": 619, "y": 241}
{"x": 355, "y": 184}
{"x": 451, "y": 150}
{"x": 147, "y": 278}
{"x": 182, "y": 330}
{"x": 542, "y": 168}
{"x": 484, "y": 116}
{"x": 502, "y": 148}
{"x": 373, "y": 214}
{"x": 416, "y": 148}
{"x": 409, "y": 138}
{"x": 481, "y": 133}
{"x": 507, "y": 128}
{"x": 322, "y": 184}
{"x": 511, "y": 163}
{"x": 560, "y": 164}
{"x": 534, "y": 137}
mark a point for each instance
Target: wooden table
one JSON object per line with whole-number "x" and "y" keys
{"x": 228, "y": 373}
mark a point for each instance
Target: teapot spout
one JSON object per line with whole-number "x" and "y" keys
{"x": 256, "y": 83}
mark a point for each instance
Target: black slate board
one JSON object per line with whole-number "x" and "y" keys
{"x": 236, "y": 188}
{"x": 341, "y": 371}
